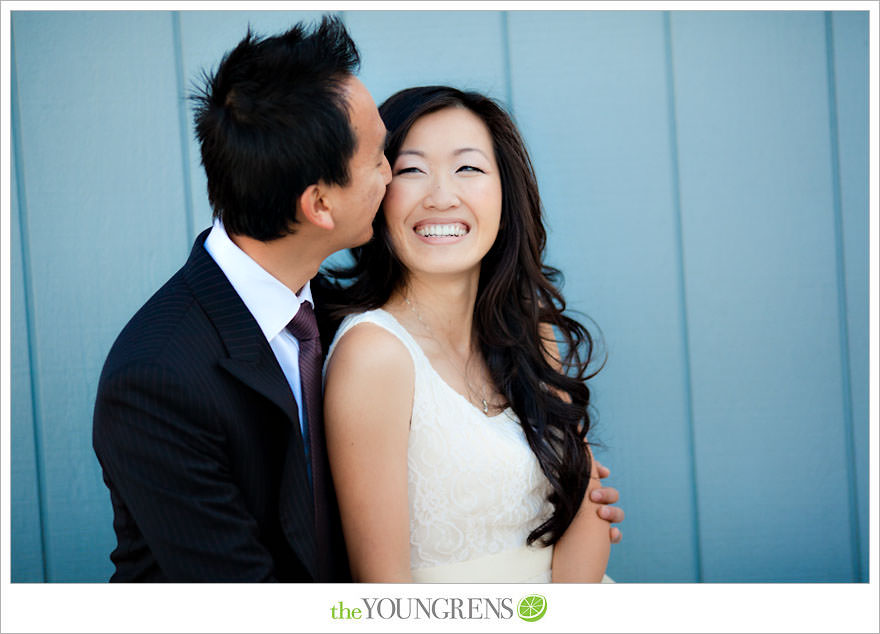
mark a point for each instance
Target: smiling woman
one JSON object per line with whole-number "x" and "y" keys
{"x": 445, "y": 387}
{"x": 443, "y": 206}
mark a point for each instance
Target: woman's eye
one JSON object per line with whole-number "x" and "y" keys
{"x": 469, "y": 168}
{"x": 407, "y": 170}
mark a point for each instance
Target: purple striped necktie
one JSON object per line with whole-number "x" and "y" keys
{"x": 304, "y": 327}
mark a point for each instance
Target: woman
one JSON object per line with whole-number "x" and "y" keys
{"x": 455, "y": 429}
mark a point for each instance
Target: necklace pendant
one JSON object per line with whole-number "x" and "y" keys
{"x": 485, "y": 406}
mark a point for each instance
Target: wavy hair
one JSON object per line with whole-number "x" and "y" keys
{"x": 518, "y": 300}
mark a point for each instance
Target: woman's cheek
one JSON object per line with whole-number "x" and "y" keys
{"x": 392, "y": 202}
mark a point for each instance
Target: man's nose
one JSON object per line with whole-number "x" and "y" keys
{"x": 386, "y": 170}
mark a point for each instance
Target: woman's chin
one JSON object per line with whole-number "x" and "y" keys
{"x": 443, "y": 268}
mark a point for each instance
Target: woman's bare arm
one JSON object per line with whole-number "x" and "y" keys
{"x": 367, "y": 409}
{"x": 581, "y": 554}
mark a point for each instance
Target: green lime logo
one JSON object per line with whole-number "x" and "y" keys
{"x": 532, "y": 608}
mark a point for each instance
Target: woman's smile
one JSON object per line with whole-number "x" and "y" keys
{"x": 441, "y": 230}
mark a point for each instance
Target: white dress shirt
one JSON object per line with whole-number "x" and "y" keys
{"x": 271, "y": 303}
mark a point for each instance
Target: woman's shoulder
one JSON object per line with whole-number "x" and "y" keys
{"x": 371, "y": 341}
{"x": 378, "y": 316}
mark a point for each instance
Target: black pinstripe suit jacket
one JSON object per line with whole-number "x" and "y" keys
{"x": 198, "y": 436}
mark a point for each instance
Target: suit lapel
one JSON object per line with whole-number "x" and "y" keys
{"x": 252, "y": 362}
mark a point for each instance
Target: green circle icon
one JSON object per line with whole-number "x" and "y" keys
{"x": 532, "y": 607}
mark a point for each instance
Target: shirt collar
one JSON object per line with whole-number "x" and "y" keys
{"x": 270, "y": 302}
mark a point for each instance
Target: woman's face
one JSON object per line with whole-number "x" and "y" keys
{"x": 443, "y": 206}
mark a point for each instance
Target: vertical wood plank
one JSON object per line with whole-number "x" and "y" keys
{"x": 101, "y": 154}
{"x": 759, "y": 251}
{"x": 26, "y": 547}
{"x": 850, "y": 55}
{"x": 589, "y": 92}
{"x": 401, "y": 49}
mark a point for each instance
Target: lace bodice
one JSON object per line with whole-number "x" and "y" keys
{"x": 475, "y": 487}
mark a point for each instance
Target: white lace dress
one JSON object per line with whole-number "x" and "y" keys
{"x": 476, "y": 490}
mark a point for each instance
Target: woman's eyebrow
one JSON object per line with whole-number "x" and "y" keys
{"x": 468, "y": 149}
{"x": 455, "y": 153}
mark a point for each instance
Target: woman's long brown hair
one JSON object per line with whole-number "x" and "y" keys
{"x": 517, "y": 299}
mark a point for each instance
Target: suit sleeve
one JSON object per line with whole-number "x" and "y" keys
{"x": 161, "y": 450}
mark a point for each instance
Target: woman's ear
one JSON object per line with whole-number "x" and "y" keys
{"x": 316, "y": 206}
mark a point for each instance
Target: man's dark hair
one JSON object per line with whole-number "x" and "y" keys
{"x": 272, "y": 120}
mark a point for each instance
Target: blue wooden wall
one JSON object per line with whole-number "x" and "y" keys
{"x": 705, "y": 181}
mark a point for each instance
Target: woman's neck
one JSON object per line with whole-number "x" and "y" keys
{"x": 443, "y": 305}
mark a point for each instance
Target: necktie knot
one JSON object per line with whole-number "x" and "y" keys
{"x": 304, "y": 326}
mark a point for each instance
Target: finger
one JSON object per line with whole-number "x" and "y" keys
{"x": 615, "y": 535}
{"x": 611, "y": 514}
{"x": 604, "y": 471}
{"x": 605, "y": 495}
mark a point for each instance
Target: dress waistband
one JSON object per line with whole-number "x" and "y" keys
{"x": 518, "y": 565}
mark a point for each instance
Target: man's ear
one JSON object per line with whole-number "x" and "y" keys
{"x": 316, "y": 206}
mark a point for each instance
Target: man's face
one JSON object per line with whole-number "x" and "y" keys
{"x": 356, "y": 203}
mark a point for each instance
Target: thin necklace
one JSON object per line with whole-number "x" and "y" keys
{"x": 483, "y": 400}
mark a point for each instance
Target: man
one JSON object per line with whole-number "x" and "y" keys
{"x": 208, "y": 418}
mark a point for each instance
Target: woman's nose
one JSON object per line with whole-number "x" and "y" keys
{"x": 441, "y": 195}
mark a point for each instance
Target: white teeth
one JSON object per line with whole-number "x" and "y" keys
{"x": 438, "y": 231}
